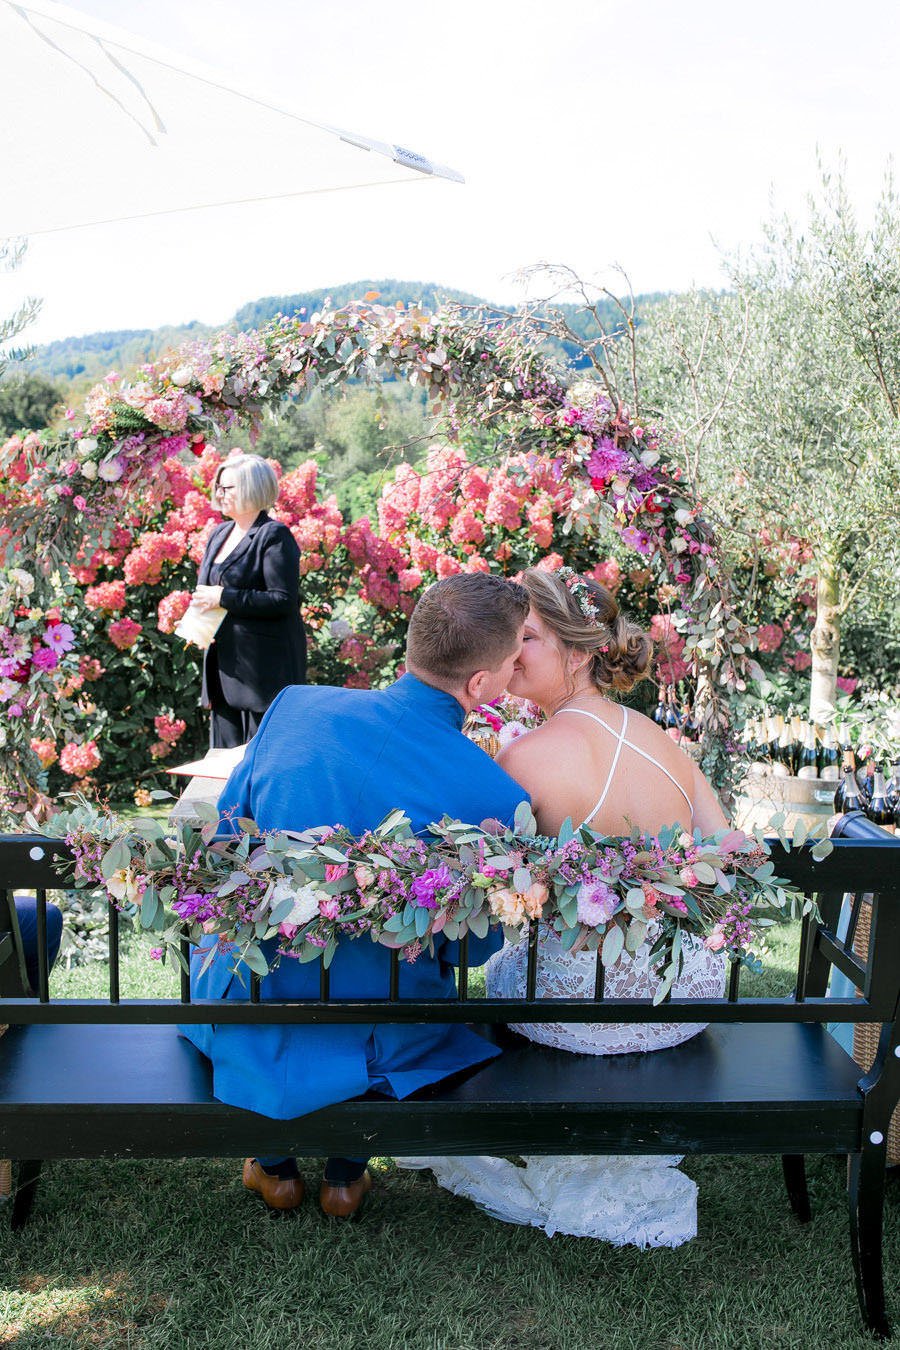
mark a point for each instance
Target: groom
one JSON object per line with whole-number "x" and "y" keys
{"x": 328, "y": 756}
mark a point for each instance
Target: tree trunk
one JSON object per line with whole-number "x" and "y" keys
{"x": 825, "y": 641}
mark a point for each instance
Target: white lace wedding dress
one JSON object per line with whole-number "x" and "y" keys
{"x": 644, "y": 1201}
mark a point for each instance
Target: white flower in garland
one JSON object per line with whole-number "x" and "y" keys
{"x": 305, "y": 901}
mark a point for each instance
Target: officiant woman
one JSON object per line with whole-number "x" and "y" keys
{"x": 251, "y": 568}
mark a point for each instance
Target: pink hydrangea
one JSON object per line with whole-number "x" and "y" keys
{"x": 171, "y": 610}
{"x": 89, "y": 668}
{"x": 124, "y": 633}
{"x": 769, "y": 637}
{"x": 45, "y": 751}
{"x": 79, "y": 760}
{"x": 169, "y": 729}
{"x": 109, "y": 596}
{"x": 607, "y": 573}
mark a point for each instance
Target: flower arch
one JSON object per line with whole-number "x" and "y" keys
{"x": 570, "y": 449}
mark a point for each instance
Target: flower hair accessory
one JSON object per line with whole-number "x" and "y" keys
{"x": 581, "y": 594}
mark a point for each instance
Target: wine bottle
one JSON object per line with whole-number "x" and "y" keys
{"x": 828, "y": 757}
{"x": 785, "y": 747}
{"x": 776, "y": 747}
{"x": 865, "y": 777}
{"x": 673, "y": 721}
{"x": 797, "y": 739}
{"x": 808, "y": 766}
{"x": 772, "y": 735}
{"x": 848, "y": 796}
{"x": 893, "y": 786}
{"x": 877, "y": 808}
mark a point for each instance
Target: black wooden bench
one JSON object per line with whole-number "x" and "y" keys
{"x": 112, "y": 1078}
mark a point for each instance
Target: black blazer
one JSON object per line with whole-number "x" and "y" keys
{"x": 260, "y": 646}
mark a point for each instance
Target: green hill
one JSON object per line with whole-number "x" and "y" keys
{"x": 85, "y": 359}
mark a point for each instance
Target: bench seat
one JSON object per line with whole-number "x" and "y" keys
{"x": 84, "y": 1091}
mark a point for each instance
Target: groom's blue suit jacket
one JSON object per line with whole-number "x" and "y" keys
{"x": 325, "y": 756}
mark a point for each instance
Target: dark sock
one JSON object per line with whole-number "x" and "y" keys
{"x": 342, "y": 1171}
{"x": 285, "y": 1169}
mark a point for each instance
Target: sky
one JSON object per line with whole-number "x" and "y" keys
{"x": 646, "y": 134}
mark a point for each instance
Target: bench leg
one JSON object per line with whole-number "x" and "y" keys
{"x": 866, "y": 1194}
{"x": 26, "y": 1187}
{"x": 794, "y": 1166}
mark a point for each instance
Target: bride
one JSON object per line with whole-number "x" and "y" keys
{"x": 606, "y": 767}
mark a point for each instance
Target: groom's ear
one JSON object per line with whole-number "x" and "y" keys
{"x": 476, "y": 686}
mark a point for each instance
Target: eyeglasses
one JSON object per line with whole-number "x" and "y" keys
{"x": 222, "y": 488}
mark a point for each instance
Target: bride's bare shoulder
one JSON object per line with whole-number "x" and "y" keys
{"x": 539, "y": 747}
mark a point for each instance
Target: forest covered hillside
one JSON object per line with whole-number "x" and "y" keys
{"x": 88, "y": 357}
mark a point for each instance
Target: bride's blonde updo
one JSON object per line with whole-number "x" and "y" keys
{"x": 583, "y": 614}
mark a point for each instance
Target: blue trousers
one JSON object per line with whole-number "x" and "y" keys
{"x": 26, "y": 913}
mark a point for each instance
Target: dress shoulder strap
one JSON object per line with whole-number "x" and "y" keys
{"x": 620, "y": 741}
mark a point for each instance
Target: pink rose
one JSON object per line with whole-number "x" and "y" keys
{"x": 716, "y": 940}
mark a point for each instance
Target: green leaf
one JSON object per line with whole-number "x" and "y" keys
{"x": 479, "y": 925}
{"x": 423, "y": 920}
{"x": 612, "y": 945}
{"x": 634, "y": 900}
{"x": 151, "y": 909}
{"x": 254, "y": 958}
{"x": 521, "y": 879}
{"x": 524, "y": 821}
{"x": 822, "y": 849}
{"x": 800, "y": 832}
{"x": 115, "y": 859}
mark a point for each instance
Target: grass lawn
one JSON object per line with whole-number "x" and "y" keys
{"x": 134, "y": 1255}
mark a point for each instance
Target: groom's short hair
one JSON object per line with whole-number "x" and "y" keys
{"x": 465, "y": 623}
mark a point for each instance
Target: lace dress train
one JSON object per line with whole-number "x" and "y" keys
{"x": 645, "y": 1201}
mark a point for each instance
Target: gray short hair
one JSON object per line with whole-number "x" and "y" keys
{"x": 255, "y": 482}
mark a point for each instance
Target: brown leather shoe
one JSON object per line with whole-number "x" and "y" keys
{"x": 343, "y": 1202}
{"x": 278, "y": 1193}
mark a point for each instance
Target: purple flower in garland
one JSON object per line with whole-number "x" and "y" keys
{"x": 195, "y": 907}
{"x": 646, "y": 480}
{"x": 637, "y": 539}
{"x": 45, "y": 659}
{"x": 606, "y": 460}
{"x": 424, "y": 888}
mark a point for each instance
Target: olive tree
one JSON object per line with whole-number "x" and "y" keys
{"x": 786, "y": 389}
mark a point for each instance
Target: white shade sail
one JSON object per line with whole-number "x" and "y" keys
{"x": 100, "y": 126}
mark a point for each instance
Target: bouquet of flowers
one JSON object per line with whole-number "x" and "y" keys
{"x": 277, "y": 895}
{"x": 494, "y": 725}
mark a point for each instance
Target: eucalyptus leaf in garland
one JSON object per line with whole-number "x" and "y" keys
{"x": 302, "y": 894}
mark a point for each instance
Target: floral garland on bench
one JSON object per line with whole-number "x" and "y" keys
{"x": 301, "y": 893}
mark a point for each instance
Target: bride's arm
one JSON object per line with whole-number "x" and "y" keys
{"x": 708, "y": 815}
